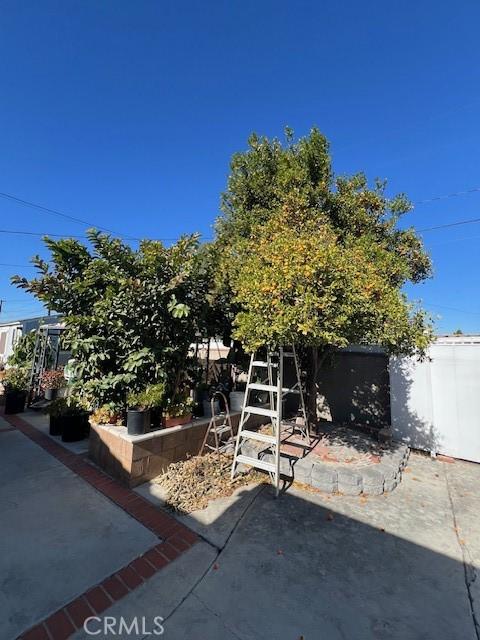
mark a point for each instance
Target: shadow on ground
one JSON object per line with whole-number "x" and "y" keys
{"x": 311, "y": 566}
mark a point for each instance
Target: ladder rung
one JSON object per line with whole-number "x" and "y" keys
{"x": 255, "y": 435}
{"x": 229, "y": 444}
{"x": 262, "y": 387}
{"x": 257, "y": 386}
{"x": 286, "y": 354}
{"x": 260, "y": 411}
{"x": 255, "y": 462}
{"x": 219, "y": 430}
{"x": 261, "y": 363}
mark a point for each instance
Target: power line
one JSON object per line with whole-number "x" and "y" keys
{"x": 55, "y": 212}
{"x": 450, "y": 224}
{"x": 20, "y": 301}
{"x": 69, "y": 235}
{"x": 449, "y": 195}
{"x": 33, "y": 233}
{"x": 442, "y": 306}
{"x": 11, "y": 264}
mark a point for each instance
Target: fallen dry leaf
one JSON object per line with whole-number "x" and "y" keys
{"x": 192, "y": 483}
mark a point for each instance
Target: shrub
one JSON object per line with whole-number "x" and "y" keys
{"x": 16, "y": 379}
{"x": 108, "y": 414}
{"x": 71, "y": 405}
{"x": 52, "y": 379}
{"x": 179, "y": 407}
{"x": 130, "y": 314}
{"x": 151, "y": 397}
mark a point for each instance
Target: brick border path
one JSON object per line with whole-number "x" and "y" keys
{"x": 175, "y": 538}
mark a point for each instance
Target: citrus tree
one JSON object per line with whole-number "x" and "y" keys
{"x": 314, "y": 259}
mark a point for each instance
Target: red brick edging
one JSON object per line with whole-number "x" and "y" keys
{"x": 176, "y": 539}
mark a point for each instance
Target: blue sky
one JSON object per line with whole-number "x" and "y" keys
{"x": 126, "y": 114}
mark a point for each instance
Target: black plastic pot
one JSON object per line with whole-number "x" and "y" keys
{"x": 156, "y": 418}
{"x": 56, "y": 425}
{"x": 15, "y": 401}
{"x": 75, "y": 427}
{"x": 138, "y": 421}
{"x": 51, "y": 394}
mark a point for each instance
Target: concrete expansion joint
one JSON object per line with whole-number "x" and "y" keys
{"x": 217, "y": 615}
{"x": 468, "y": 568}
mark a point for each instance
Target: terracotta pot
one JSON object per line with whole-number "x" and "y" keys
{"x": 174, "y": 422}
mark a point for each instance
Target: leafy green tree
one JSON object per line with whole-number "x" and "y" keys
{"x": 316, "y": 259}
{"x": 131, "y": 315}
{"x": 22, "y": 355}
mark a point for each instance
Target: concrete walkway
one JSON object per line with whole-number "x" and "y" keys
{"x": 58, "y": 536}
{"x": 398, "y": 566}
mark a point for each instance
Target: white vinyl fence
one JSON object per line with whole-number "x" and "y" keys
{"x": 435, "y": 405}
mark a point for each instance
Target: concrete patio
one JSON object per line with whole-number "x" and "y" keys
{"x": 400, "y": 566}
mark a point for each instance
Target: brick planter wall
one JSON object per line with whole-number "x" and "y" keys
{"x": 136, "y": 459}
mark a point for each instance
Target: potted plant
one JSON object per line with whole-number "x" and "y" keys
{"x": 15, "y": 382}
{"x": 51, "y": 381}
{"x": 178, "y": 411}
{"x": 69, "y": 419}
{"x": 108, "y": 414}
{"x": 154, "y": 400}
{"x": 138, "y": 413}
{"x": 56, "y": 410}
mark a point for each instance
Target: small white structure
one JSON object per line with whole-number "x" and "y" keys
{"x": 9, "y": 334}
{"x": 435, "y": 404}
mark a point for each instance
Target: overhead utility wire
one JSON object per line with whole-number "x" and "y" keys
{"x": 449, "y": 195}
{"x": 11, "y": 264}
{"x": 55, "y": 212}
{"x": 69, "y": 235}
{"x": 85, "y": 222}
{"x": 442, "y": 306}
{"x": 450, "y": 224}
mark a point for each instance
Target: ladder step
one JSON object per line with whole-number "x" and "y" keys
{"x": 255, "y": 435}
{"x": 219, "y": 430}
{"x": 228, "y": 446}
{"x": 286, "y": 354}
{"x": 260, "y": 411}
{"x": 257, "y": 386}
{"x": 255, "y": 462}
{"x": 261, "y": 363}
{"x": 262, "y": 387}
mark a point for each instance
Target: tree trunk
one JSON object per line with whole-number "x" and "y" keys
{"x": 316, "y": 356}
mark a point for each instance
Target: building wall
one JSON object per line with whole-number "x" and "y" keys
{"x": 9, "y": 334}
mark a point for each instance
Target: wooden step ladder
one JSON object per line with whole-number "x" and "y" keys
{"x": 274, "y": 363}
